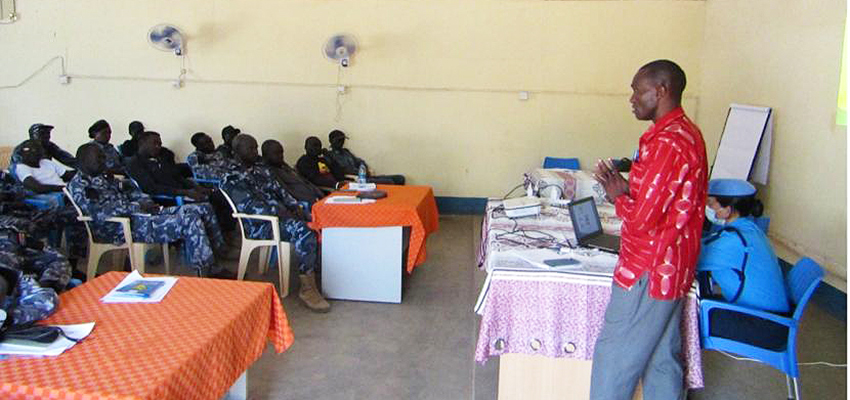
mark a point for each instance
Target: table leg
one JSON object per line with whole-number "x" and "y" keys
{"x": 239, "y": 390}
{"x": 362, "y": 263}
{"x": 523, "y": 376}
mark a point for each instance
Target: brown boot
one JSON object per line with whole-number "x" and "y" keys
{"x": 310, "y": 296}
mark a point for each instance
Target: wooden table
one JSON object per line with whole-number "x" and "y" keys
{"x": 192, "y": 345}
{"x": 362, "y": 244}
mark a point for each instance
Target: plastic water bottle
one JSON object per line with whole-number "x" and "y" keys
{"x": 361, "y": 173}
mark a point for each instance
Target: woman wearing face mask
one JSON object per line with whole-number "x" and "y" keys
{"x": 738, "y": 256}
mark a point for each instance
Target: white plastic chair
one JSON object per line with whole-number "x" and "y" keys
{"x": 248, "y": 246}
{"x": 96, "y": 250}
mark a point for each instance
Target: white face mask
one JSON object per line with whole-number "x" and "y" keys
{"x": 711, "y": 215}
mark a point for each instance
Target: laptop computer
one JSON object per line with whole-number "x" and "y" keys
{"x": 588, "y": 227}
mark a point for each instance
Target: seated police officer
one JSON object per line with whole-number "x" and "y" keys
{"x": 206, "y": 163}
{"x": 295, "y": 185}
{"x": 160, "y": 177}
{"x": 100, "y": 132}
{"x": 350, "y": 164}
{"x": 254, "y": 191}
{"x": 41, "y": 133}
{"x": 37, "y": 173}
{"x": 100, "y": 196}
{"x": 317, "y": 167}
{"x": 739, "y": 259}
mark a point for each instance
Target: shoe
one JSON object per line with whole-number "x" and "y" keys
{"x": 223, "y": 274}
{"x": 310, "y": 296}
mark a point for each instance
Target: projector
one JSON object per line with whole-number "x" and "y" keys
{"x": 522, "y": 207}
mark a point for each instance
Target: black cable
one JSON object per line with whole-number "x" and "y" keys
{"x": 512, "y": 190}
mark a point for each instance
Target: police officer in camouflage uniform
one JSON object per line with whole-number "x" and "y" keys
{"x": 23, "y": 298}
{"x": 254, "y": 191}
{"x": 12, "y": 194}
{"x": 206, "y": 163}
{"x": 100, "y": 196}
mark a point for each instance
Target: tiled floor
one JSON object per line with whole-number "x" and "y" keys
{"x": 423, "y": 347}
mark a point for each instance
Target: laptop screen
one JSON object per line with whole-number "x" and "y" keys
{"x": 585, "y": 217}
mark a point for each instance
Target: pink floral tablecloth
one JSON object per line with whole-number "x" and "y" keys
{"x": 555, "y": 314}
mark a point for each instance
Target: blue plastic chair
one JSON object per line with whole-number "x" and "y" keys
{"x": 566, "y": 163}
{"x": 763, "y": 223}
{"x": 178, "y": 200}
{"x": 800, "y": 283}
{"x": 205, "y": 181}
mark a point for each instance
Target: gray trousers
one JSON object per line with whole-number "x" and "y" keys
{"x": 640, "y": 340}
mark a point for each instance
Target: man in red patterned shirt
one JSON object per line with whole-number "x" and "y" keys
{"x": 662, "y": 207}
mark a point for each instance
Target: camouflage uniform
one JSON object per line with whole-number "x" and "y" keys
{"x": 208, "y": 166}
{"x": 113, "y": 158}
{"x": 102, "y": 197}
{"x": 49, "y": 267}
{"x": 254, "y": 191}
{"x": 30, "y": 302}
{"x": 54, "y": 219}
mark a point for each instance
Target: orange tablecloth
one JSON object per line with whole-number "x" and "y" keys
{"x": 193, "y": 345}
{"x": 412, "y": 206}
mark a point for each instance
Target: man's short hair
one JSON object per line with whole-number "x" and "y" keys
{"x": 196, "y": 137}
{"x": 136, "y": 127}
{"x": 97, "y": 127}
{"x": 86, "y": 150}
{"x": 669, "y": 74}
{"x": 267, "y": 145}
{"x": 144, "y": 136}
{"x": 240, "y": 138}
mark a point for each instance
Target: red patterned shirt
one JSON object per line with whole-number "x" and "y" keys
{"x": 664, "y": 210}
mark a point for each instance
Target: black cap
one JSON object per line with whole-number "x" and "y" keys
{"x": 35, "y": 128}
{"x": 230, "y": 129}
{"x": 337, "y": 133}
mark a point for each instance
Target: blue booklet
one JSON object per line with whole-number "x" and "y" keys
{"x": 140, "y": 288}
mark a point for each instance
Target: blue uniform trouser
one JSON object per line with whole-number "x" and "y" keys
{"x": 640, "y": 340}
{"x": 194, "y": 224}
{"x": 303, "y": 240}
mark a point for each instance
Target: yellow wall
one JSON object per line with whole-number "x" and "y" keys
{"x": 786, "y": 55}
{"x": 432, "y": 94}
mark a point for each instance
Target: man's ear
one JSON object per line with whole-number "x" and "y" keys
{"x": 662, "y": 91}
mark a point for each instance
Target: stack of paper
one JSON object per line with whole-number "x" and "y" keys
{"x": 362, "y": 187}
{"x": 30, "y": 348}
{"x": 348, "y": 200}
{"x": 137, "y": 289}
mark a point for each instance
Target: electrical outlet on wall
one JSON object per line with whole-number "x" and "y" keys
{"x": 64, "y": 79}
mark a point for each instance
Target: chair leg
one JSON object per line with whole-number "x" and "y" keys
{"x": 793, "y": 386}
{"x": 263, "y": 259}
{"x": 137, "y": 257}
{"x": 165, "y": 260}
{"x": 796, "y": 389}
{"x": 94, "y": 258}
{"x": 283, "y": 268}
{"x": 244, "y": 255}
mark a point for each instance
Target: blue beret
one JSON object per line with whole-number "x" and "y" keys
{"x": 730, "y": 188}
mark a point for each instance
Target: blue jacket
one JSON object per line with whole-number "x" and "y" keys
{"x": 723, "y": 254}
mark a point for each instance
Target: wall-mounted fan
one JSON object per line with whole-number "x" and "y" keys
{"x": 166, "y": 37}
{"x": 340, "y": 48}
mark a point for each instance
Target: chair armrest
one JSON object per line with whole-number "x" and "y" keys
{"x": 707, "y": 305}
{"x": 269, "y": 218}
